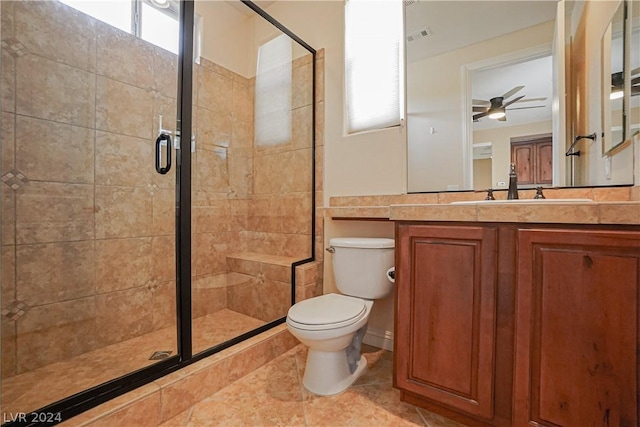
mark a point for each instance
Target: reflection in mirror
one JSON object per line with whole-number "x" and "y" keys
{"x": 462, "y": 76}
{"x": 614, "y": 110}
{"x": 451, "y": 46}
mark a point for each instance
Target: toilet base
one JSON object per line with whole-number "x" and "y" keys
{"x": 327, "y": 372}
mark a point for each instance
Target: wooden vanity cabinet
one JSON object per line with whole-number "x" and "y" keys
{"x": 445, "y": 325}
{"x": 577, "y": 328}
{"x": 518, "y": 325}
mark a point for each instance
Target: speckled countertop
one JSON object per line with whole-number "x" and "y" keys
{"x": 617, "y": 205}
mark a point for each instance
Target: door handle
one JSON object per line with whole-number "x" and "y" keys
{"x": 163, "y": 137}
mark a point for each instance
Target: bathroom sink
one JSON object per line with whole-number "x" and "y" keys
{"x": 522, "y": 201}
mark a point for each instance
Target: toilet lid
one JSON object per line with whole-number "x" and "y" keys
{"x": 331, "y": 310}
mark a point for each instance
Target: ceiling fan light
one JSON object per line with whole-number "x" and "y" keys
{"x": 497, "y": 114}
{"x": 161, "y": 3}
{"x": 616, "y": 94}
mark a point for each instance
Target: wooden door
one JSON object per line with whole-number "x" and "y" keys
{"x": 577, "y": 328}
{"x": 543, "y": 162}
{"x": 445, "y": 315}
{"x": 533, "y": 156}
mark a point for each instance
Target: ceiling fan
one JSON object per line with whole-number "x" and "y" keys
{"x": 496, "y": 107}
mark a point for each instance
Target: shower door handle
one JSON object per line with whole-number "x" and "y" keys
{"x": 163, "y": 137}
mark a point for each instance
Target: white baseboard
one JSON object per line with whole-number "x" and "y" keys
{"x": 379, "y": 338}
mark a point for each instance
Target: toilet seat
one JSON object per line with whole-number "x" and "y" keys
{"x": 330, "y": 311}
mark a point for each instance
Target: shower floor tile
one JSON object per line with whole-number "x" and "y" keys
{"x": 274, "y": 395}
{"x": 35, "y": 389}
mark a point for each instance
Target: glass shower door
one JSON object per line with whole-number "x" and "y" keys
{"x": 88, "y": 222}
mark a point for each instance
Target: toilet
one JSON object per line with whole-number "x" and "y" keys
{"x": 333, "y": 325}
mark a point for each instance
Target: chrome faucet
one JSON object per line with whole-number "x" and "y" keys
{"x": 513, "y": 183}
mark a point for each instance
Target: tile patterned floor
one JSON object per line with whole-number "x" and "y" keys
{"x": 274, "y": 395}
{"x": 37, "y": 388}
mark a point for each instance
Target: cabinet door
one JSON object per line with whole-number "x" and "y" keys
{"x": 577, "y": 328}
{"x": 544, "y": 163}
{"x": 445, "y": 315}
{"x": 523, "y": 156}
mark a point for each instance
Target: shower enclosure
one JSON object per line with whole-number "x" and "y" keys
{"x": 156, "y": 207}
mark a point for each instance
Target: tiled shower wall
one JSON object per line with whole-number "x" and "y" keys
{"x": 87, "y": 223}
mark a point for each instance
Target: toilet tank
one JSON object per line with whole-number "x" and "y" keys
{"x": 360, "y": 266}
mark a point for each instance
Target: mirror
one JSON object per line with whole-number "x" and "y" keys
{"x": 462, "y": 57}
{"x": 614, "y": 111}
{"x": 620, "y": 91}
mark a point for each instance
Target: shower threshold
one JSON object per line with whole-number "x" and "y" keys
{"x": 35, "y": 389}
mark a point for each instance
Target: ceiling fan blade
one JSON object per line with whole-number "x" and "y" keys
{"x": 480, "y": 109}
{"x": 525, "y": 108}
{"x": 480, "y": 115}
{"x": 480, "y": 103}
{"x": 532, "y": 99}
{"x": 514, "y": 100}
{"x": 512, "y": 92}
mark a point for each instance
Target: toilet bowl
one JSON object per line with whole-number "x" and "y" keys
{"x": 333, "y": 325}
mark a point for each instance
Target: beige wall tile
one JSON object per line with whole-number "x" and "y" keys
{"x": 210, "y": 254}
{"x": 124, "y": 57}
{"x": 165, "y": 72}
{"x": 8, "y": 215}
{"x": 123, "y": 160}
{"x": 242, "y": 139}
{"x": 164, "y": 258}
{"x": 212, "y": 219}
{"x": 8, "y": 141}
{"x": 214, "y": 129}
{"x": 8, "y": 80}
{"x": 8, "y": 350}
{"x": 207, "y": 300}
{"x": 50, "y": 151}
{"x": 302, "y": 86}
{"x": 123, "y": 264}
{"x": 114, "y": 113}
{"x": 261, "y": 298}
{"x": 57, "y": 32}
{"x": 212, "y": 171}
{"x": 320, "y": 76}
{"x": 302, "y": 132}
{"x": 280, "y": 173}
{"x": 53, "y": 212}
{"x": 242, "y": 101}
{"x": 55, "y": 332}
{"x": 54, "y": 91}
{"x": 611, "y": 194}
{"x": 124, "y": 314}
{"x": 320, "y": 123}
{"x": 164, "y": 306}
{"x": 214, "y": 91}
{"x": 240, "y": 176}
{"x": 123, "y": 212}
{"x": 8, "y": 275}
{"x": 55, "y": 272}
{"x": 164, "y": 212}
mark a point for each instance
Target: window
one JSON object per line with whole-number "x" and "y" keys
{"x": 373, "y": 64}
{"x": 273, "y": 92}
{"x": 156, "y": 21}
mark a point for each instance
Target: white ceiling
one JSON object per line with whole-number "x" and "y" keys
{"x": 454, "y": 24}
